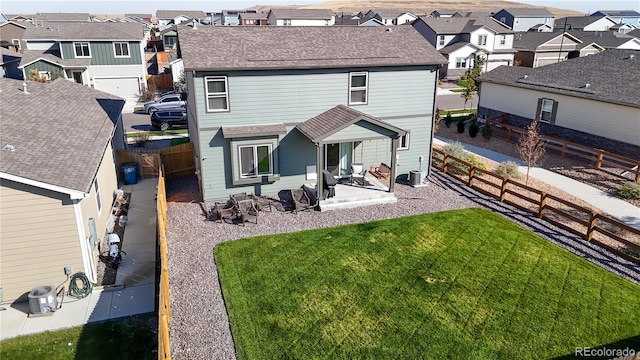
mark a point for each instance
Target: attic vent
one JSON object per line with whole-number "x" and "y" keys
{"x": 389, "y": 30}
{"x": 587, "y": 85}
{"x": 631, "y": 57}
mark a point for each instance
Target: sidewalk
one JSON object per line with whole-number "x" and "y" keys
{"x": 136, "y": 273}
{"x": 615, "y": 207}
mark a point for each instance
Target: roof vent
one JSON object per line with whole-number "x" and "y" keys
{"x": 587, "y": 85}
{"x": 389, "y": 30}
{"x": 525, "y": 76}
{"x": 194, "y": 24}
{"x": 24, "y": 87}
{"x": 631, "y": 57}
{"x": 9, "y": 147}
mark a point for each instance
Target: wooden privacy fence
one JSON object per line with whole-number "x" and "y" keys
{"x": 596, "y": 228}
{"x": 160, "y": 82}
{"x": 177, "y": 161}
{"x": 164, "y": 307}
{"x": 559, "y": 147}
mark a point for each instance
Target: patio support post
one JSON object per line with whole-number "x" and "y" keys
{"x": 394, "y": 149}
{"x": 319, "y": 167}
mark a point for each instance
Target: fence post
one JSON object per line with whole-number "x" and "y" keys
{"x": 543, "y": 203}
{"x": 472, "y": 172}
{"x": 445, "y": 163}
{"x": 637, "y": 172}
{"x": 564, "y": 148}
{"x": 503, "y": 189}
{"x": 592, "y": 225}
{"x": 600, "y": 156}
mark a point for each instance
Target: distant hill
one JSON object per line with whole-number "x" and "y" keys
{"x": 421, "y": 7}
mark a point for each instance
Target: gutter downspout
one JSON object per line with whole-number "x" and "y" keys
{"x": 319, "y": 167}
{"x": 433, "y": 119}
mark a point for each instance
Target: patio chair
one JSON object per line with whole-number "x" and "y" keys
{"x": 329, "y": 184}
{"x": 247, "y": 210}
{"x": 357, "y": 173}
{"x": 221, "y": 211}
{"x": 239, "y": 197}
{"x": 381, "y": 172}
{"x": 261, "y": 202}
{"x": 301, "y": 200}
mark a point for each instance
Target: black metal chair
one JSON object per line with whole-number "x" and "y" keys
{"x": 329, "y": 184}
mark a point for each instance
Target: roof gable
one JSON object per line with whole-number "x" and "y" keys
{"x": 527, "y": 12}
{"x": 172, "y": 14}
{"x": 308, "y": 14}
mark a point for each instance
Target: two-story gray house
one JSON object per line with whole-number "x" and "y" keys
{"x": 106, "y": 56}
{"x": 526, "y": 19}
{"x": 285, "y": 103}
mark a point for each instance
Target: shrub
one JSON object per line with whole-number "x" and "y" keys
{"x": 455, "y": 149}
{"x": 149, "y": 93}
{"x": 140, "y": 138}
{"x": 630, "y": 190}
{"x": 448, "y": 119}
{"x": 473, "y": 128}
{"x": 508, "y": 169}
{"x": 460, "y": 125}
{"x": 487, "y": 132}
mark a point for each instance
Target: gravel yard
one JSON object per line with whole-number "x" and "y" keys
{"x": 200, "y": 326}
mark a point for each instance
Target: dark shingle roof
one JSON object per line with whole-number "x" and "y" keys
{"x": 59, "y": 130}
{"x": 462, "y": 25}
{"x": 62, "y": 17}
{"x": 606, "y": 39}
{"x": 455, "y": 46}
{"x": 30, "y": 56}
{"x": 619, "y": 12}
{"x": 85, "y": 31}
{"x": 253, "y": 130}
{"x": 532, "y": 39}
{"x": 619, "y": 84}
{"x": 336, "y": 118}
{"x": 310, "y": 14}
{"x": 253, "y": 16}
{"x": 528, "y": 12}
{"x": 172, "y": 14}
{"x": 575, "y": 22}
{"x": 303, "y": 47}
{"x": 9, "y": 56}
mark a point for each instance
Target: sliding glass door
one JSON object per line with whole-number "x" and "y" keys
{"x": 338, "y": 158}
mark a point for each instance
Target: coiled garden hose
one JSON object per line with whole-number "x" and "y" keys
{"x": 75, "y": 291}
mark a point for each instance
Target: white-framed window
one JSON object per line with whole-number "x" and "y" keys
{"x": 121, "y": 49}
{"x": 16, "y": 43}
{"x": 482, "y": 39}
{"x": 96, "y": 189}
{"x": 441, "y": 42}
{"x": 546, "y": 110}
{"x": 255, "y": 160}
{"x": 217, "y": 94}
{"x": 326, "y": 23}
{"x": 44, "y": 75}
{"x": 358, "y": 87}
{"x": 461, "y": 63}
{"x": 503, "y": 39}
{"x": 82, "y": 49}
{"x": 403, "y": 142}
{"x": 286, "y": 22}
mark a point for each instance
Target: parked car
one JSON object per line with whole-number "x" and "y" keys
{"x": 165, "y": 102}
{"x": 166, "y": 119}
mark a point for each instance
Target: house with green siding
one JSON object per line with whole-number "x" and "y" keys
{"x": 270, "y": 108}
{"x": 106, "y": 56}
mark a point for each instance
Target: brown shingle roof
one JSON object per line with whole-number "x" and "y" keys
{"x": 303, "y": 47}
{"x": 309, "y": 14}
{"x": 59, "y": 130}
{"x": 172, "y": 14}
{"x": 62, "y": 17}
{"x": 85, "y": 31}
{"x": 30, "y": 56}
{"x": 253, "y": 130}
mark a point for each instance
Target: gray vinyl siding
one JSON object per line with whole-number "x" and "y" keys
{"x": 103, "y": 53}
{"x": 403, "y": 97}
{"x": 42, "y": 66}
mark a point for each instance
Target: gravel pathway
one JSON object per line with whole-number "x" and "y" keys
{"x": 200, "y": 326}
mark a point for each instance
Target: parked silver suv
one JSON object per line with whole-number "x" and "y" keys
{"x": 165, "y": 102}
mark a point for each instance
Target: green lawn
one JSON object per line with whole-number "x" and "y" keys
{"x": 130, "y": 338}
{"x": 465, "y": 284}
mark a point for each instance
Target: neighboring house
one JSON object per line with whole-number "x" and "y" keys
{"x": 169, "y": 38}
{"x": 12, "y": 33}
{"x": 609, "y": 40}
{"x": 232, "y": 17}
{"x": 301, "y": 17}
{"x": 635, "y": 33}
{"x": 580, "y": 99}
{"x": 253, "y": 19}
{"x": 394, "y": 17}
{"x": 64, "y": 17}
{"x": 622, "y": 28}
{"x": 9, "y": 64}
{"x": 459, "y": 39}
{"x": 167, "y": 18}
{"x": 524, "y": 19}
{"x": 340, "y": 99}
{"x": 54, "y": 180}
{"x": 584, "y": 23}
{"x": 535, "y": 49}
{"x": 445, "y": 13}
{"x": 106, "y": 56}
{"x": 349, "y": 21}
{"x": 144, "y": 17}
{"x": 621, "y": 16}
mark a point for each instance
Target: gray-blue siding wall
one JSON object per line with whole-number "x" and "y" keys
{"x": 401, "y": 96}
{"x": 103, "y": 52}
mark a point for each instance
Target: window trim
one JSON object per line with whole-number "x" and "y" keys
{"x": 286, "y": 22}
{"x": 224, "y": 94}
{"x": 96, "y": 189}
{"x": 482, "y": 39}
{"x": 441, "y": 40}
{"x": 407, "y": 142}
{"x": 542, "y": 110}
{"x": 255, "y": 159}
{"x": 359, "y": 88}
{"x": 234, "y": 159}
{"x": 552, "y": 115}
{"x": 75, "y": 52}
{"x": 115, "y": 52}
{"x": 503, "y": 39}
{"x": 16, "y": 43}
{"x": 458, "y": 63}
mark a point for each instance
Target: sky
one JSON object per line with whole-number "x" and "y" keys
{"x": 149, "y": 6}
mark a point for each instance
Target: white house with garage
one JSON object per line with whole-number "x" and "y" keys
{"x": 106, "y": 56}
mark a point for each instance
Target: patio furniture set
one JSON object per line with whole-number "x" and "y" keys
{"x": 240, "y": 207}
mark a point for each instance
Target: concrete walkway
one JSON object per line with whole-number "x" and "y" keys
{"x": 615, "y": 207}
{"x": 136, "y": 274}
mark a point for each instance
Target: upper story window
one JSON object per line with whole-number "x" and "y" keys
{"x": 358, "y": 86}
{"x": 286, "y": 22}
{"x": 482, "y": 39}
{"x": 503, "y": 39}
{"x": 121, "y": 49}
{"x": 16, "y": 43}
{"x": 217, "y": 94}
{"x": 441, "y": 42}
{"x": 82, "y": 49}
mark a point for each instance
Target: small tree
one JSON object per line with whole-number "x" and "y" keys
{"x": 448, "y": 119}
{"x": 436, "y": 120}
{"x": 469, "y": 78}
{"x": 36, "y": 76}
{"x": 486, "y": 131}
{"x": 460, "y": 124}
{"x": 530, "y": 148}
{"x": 474, "y": 128}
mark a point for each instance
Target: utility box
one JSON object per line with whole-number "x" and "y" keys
{"x": 416, "y": 177}
{"x": 43, "y": 300}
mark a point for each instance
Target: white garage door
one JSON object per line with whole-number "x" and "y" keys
{"x": 125, "y": 87}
